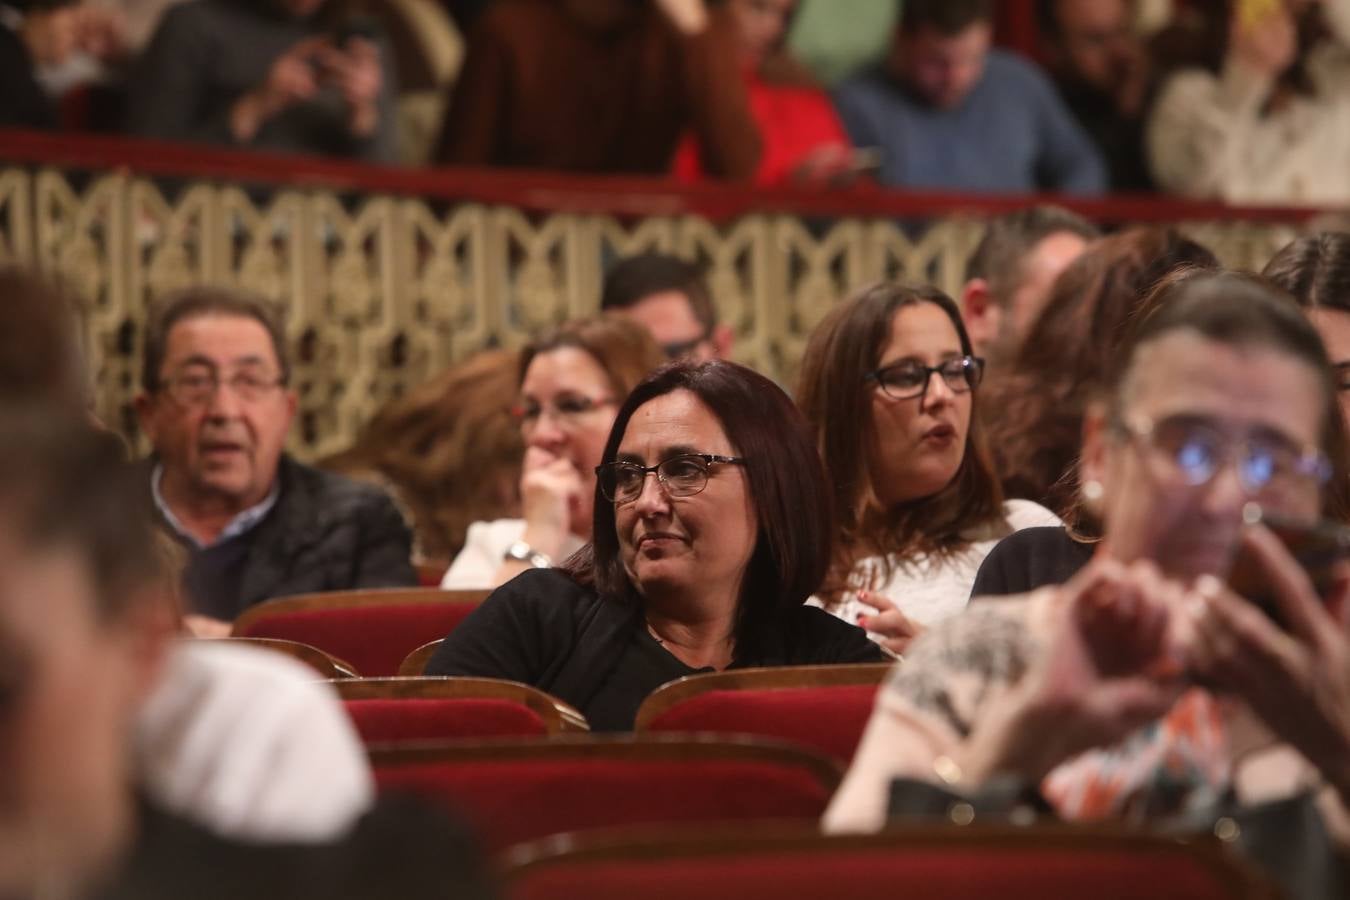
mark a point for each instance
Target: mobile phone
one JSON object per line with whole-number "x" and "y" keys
{"x": 864, "y": 159}
{"x": 1253, "y": 13}
{"x": 1317, "y": 547}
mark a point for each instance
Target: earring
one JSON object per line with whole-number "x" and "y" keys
{"x": 1092, "y": 491}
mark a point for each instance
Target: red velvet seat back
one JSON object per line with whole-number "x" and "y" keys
{"x": 420, "y": 719}
{"x": 374, "y": 639}
{"x": 885, "y": 873}
{"x": 515, "y": 800}
{"x": 828, "y": 719}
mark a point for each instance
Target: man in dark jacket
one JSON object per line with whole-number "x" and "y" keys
{"x": 256, "y": 523}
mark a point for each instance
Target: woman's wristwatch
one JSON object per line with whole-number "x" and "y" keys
{"x": 519, "y": 551}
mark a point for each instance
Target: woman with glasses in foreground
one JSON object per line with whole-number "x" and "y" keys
{"x": 572, "y": 379}
{"x": 888, "y": 385}
{"x": 1133, "y": 682}
{"x": 712, "y": 528}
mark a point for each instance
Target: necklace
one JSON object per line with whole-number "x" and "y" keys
{"x": 652, "y": 631}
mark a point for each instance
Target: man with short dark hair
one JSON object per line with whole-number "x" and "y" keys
{"x": 1012, "y": 272}
{"x": 949, "y": 113}
{"x": 670, "y": 298}
{"x": 257, "y": 524}
{"x": 1101, "y": 67}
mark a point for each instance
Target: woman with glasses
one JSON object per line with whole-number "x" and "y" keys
{"x": 572, "y": 379}
{"x": 712, "y": 527}
{"x": 888, "y": 386}
{"x": 1097, "y": 688}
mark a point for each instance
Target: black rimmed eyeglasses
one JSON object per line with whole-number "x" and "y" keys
{"x": 909, "y": 379}
{"x": 680, "y": 476}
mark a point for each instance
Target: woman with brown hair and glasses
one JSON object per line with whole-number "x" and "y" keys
{"x": 888, "y": 386}
{"x": 712, "y": 528}
{"x": 572, "y": 380}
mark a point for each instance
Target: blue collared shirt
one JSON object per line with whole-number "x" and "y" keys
{"x": 241, "y": 524}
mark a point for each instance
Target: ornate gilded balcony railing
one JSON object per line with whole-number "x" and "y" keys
{"x": 388, "y": 276}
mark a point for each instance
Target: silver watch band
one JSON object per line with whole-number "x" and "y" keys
{"x": 520, "y": 551}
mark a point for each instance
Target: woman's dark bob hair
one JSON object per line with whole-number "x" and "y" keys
{"x": 784, "y": 476}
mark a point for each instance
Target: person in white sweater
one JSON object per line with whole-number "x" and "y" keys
{"x": 573, "y": 380}
{"x": 1268, "y": 119}
{"x": 888, "y": 386}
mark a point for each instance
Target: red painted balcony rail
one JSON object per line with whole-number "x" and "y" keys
{"x": 622, "y": 196}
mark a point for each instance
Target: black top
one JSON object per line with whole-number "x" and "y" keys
{"x": 401, "y": 848}
{"x": 544, "y": 629}
{"x": 1028, "y": 559}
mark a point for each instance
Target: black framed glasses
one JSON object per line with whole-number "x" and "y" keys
{"x": 198, "y": 387}
{"x": 909, "y": 379}
{"x": 1192, "y": 450}
{"x": 681, "y": 476}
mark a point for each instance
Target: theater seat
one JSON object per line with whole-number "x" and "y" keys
{"x": 410, "y": 709}
{"x": 518, "y": 790}
{"x": 947, "y": 862}
{"x": 822, "y": 707}
{"x": 373, "y": 630}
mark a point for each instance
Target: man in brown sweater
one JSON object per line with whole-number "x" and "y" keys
{"x": 600, "y": 86}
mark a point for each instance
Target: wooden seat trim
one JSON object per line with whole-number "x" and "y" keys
{"x": 351, "y": 599}
{"x": 557, "y": 716}
{"x": 765, "y": 678}
{"x": 415, "y": 663}
{"x": 324, "y": 663}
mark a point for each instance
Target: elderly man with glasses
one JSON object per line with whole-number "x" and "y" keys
{"x": 256, "y": 524}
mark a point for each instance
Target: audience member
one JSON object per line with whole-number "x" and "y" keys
{"x": 1011, "y": 272}
{"x": 949, "y": 113}
{"x": 33, "y": 34}
{"x": 80, "y": 622}
{"x": 449, "y": 452}
{"x": 707, "y": 565}
{"x": 240, "y": 740}
{"x": 1316, "y": 270}
{"x": 802, "y": 137}
{"x": 571, "y": 381}
{"x": 290, "y": 76}
{"x": 1100, "y": 64}
{"x": 601, "y": 86}
{"x": 918, "y": 501}
{"x": 1265, "y": 115}
{"x": 1035, "y": 409}
{"x": 670, "y": 298}
{"x": 257, "y": 523}
{"x": 1100, "y": 688}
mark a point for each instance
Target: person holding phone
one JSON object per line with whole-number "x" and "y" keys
{"x": 1128, "y": 680}
{"x": 279, "y": 75}
{"x": 1263, "y": 114}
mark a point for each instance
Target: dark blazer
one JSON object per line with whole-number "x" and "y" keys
{"x": 544, "y": 629}
{"x": 326, "y": 533}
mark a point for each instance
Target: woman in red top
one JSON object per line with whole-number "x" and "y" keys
{"x": 803, "y": 139}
